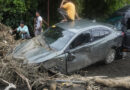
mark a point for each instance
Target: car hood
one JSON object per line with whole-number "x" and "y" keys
{"x": 34, "y": 51}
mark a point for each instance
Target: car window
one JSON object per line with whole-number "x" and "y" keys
{"x": 98, "y": 33}
{"x": 81, "y": 40}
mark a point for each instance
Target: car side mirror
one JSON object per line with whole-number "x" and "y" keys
{"x": 70, "y": 56}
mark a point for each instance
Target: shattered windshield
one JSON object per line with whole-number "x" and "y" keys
{"x": 57, "y": 37}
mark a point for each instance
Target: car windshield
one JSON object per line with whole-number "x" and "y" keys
{"x": 57, "y": 37}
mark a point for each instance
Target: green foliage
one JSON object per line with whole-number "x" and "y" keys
{"x": 12, "y": 6}
{"x": 115, "y": 4}
{"x": 13, "y": 11}
{"x": 79, "y": 6}
{"x": 103, "y": 8}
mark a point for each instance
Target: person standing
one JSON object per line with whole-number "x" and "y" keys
{"x": 38, "y": 24}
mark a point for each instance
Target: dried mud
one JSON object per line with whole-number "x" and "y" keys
{"x": 115, "y": 76}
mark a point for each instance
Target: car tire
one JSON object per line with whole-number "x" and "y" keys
{"x": 110, "y": 57}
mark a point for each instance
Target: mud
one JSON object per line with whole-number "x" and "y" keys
{"x": 119, "y": 68}
{"x": 115, "y": 76}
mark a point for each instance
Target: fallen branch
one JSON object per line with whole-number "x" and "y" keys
{"x": 70, "y": 81}
{"x": 124, "y": 82}
{"x": 10, "y": 85}
{"x": 4, "y": 81}
{"x": 25, "y": 79}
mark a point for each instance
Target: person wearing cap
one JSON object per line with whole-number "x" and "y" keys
{"x": 23, "y": 31}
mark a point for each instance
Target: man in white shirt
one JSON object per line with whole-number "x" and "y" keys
{"x": 38, "y": 24}
{"x": 23, "y": 31}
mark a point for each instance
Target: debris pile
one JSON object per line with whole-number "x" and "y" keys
{"x": 6, "y": 40}
{"x": 15, "y": 72}
{"x": 31, "y": 77}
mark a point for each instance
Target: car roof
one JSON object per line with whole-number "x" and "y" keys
{"x": 77, "y": 25}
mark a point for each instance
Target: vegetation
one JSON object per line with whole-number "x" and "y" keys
{"x": 103, "y": 8}
{"x": 12, "y": 11}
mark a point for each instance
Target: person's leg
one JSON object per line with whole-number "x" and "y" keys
{"x": 38, "y": 32}
{"x": 27, "y": 36}
{"x": 17, "y": 36}
{"x": 63, "y": 13}
{"x": 22, "y": 36}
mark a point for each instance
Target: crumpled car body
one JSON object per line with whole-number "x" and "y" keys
{"x": 70, "y": 46}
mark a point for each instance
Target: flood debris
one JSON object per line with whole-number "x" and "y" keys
{"x": 28, "y": 77}
{"x": 116, "y": 82}
{"x": 13, "y": 71}
{"x": 9, "y": 85}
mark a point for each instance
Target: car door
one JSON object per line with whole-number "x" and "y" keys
{"x": 99, "y": 43}
{"x": 79, "y": 51}
{"x": 82, "y": 55}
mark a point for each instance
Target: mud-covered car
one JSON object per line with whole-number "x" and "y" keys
{"x": 70, "y": 46}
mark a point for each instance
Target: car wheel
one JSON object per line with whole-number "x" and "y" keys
{"x": 110, "y": 57}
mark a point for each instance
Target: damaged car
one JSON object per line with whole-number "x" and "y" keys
{"x": 121, "y": 20}
{"x": 70, "y": 46}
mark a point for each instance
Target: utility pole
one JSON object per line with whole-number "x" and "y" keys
{"x": 48, "y": 12}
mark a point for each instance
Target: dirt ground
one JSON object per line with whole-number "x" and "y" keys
{"x": 115, "y": 76}
{"x": 119, "y": 68}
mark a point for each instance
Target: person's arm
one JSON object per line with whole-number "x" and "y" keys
{"x": 25, "y": 30}
{"x": 45, "y": 22}
{"x": 65, "y": 6}
{"x": 62, "y": 3}
{"x": 17, "y": 29}
{"x": 41, "y": 20}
